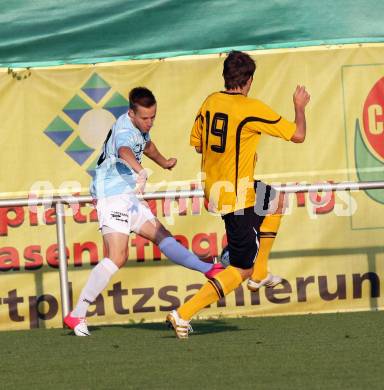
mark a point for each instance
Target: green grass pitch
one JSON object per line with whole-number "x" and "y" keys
{"x": 327, "y": 351}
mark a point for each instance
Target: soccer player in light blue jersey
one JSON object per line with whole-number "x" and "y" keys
{"x": 119, "y": 177}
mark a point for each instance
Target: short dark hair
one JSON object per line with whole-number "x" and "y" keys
{"x": 238, "y": 68}
{"x": 141, "y": 96}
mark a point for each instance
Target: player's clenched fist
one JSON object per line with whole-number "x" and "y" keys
{"x": 141, "y": 181}
{"x": 301, "y": 97}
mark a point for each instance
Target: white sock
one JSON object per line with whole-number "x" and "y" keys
{"x": 179, "y": 255}
{"x": 97, "y": 281}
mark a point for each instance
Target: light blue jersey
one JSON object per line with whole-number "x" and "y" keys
{"x": 113, "y": 175}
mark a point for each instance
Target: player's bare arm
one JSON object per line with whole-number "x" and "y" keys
{"x": 300, "y": 99}
{"x": 128, "y": 156}
{"x": 154, "y": 154}
{"x": 198, "y": 149}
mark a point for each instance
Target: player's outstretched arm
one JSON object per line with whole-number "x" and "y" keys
{"x": 300, "y": 99}
{"x": 153, "y": 153}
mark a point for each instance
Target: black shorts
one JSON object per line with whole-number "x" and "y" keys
{"x": 243, "y": 228}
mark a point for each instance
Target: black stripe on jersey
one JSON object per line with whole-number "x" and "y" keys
{"x": 199, "y": 117}
{"x": 104, "y": 149}
{"x": 238, "y": 135}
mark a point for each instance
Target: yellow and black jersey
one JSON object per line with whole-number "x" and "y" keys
{"x": 227, "y": 129}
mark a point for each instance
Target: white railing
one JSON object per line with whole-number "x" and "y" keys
{"x": 59, "y": 201}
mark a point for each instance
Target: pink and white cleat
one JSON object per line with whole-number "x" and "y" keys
{"x": 216, "y": 268}
{"x": 78, "y": 324}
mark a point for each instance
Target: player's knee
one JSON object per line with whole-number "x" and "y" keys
{"x": 281, "y": 203}
{"x": 277, "y": 204}
{"x": 119, "y": 256}
{"x": 161, "y": 234}
{"x": 246, "y": 273}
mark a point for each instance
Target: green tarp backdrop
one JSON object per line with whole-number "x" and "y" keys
{"x": 52, "y": 32}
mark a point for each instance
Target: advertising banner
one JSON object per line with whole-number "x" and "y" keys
{"x": 330, "y": 247}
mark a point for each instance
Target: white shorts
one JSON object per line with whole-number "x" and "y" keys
{"x": 122, "y": 213}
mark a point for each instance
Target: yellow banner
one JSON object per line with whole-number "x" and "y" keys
{"x": 329, "y": 249}
{"x": 148, "y": 291}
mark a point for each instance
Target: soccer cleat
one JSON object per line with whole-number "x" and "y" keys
{"x": 216, "y": 268}
{"x": 181, "y": 327}
{"x": 78, "y": 324}
{"x": 269, "y": 281}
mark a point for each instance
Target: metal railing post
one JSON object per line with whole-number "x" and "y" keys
{"x": 63, "y": 269}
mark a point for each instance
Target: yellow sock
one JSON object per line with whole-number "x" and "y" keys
{"x": 268, "y": 231}
{"x": 223, "y": 283}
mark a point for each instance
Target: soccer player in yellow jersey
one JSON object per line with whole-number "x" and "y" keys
{"x": 226, "y": 132}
